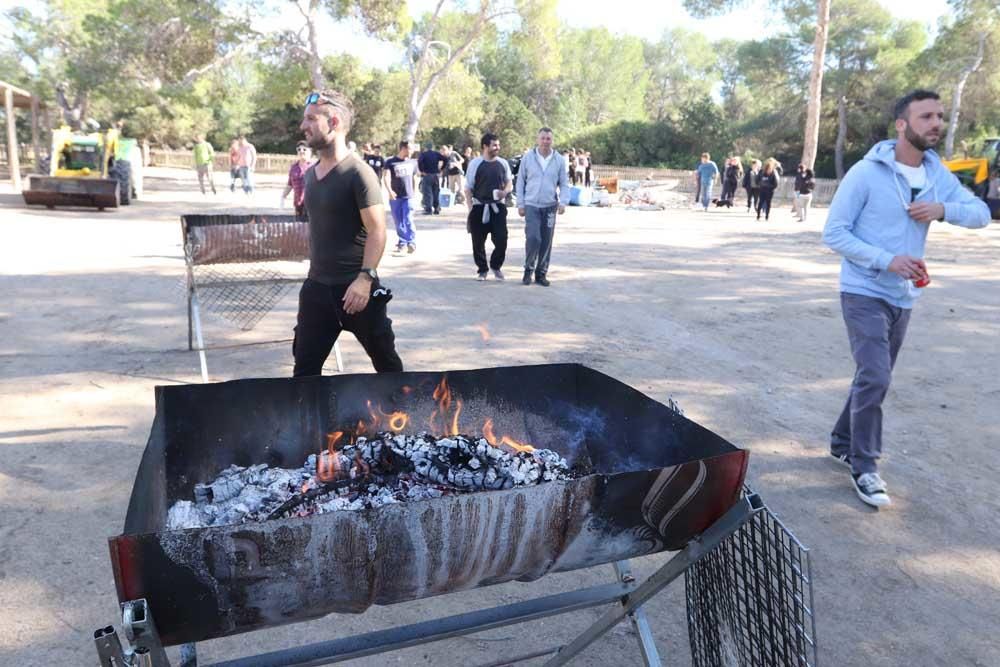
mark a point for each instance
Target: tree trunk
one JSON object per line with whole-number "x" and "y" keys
{"x": 311, "y": 16}
{"x": 956, "y": 100}
{"x": 838, "y": 151}
{"x": 814, "y": 107}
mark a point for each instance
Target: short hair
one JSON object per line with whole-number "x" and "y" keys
{"x": 301, "y": 144}
{"x": 706, "y": 156}
{"x": 903, "y": 103}
{"x": 341, "y": 105}
{"x": 488, "y": 139}
{"x": 404, "y": 144}
{"x": 376, "y": 147}
{"x": 545, "y": 129}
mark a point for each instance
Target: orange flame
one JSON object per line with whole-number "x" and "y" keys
{"x": 328, "y": 467}
{"x": 484, "y": 332}
{"x": 332, "y": 439}
{"x": 488, "y": 432}
{"x": 398, "y": 421}
{"x": 515, "y": 445}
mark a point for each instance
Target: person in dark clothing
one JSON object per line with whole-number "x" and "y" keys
{"x": 730, "y": 181}
{"x": 588, "y": 165}
{"x": 373, "y": 157}
{"x": 769, "y": 181}
{"x": 751, "y": 183}
{"x": 805, "y": 183}
{"x": 487, "y": 184}
{"x": 430, "y": 164}
{"x": 347, "y": 238}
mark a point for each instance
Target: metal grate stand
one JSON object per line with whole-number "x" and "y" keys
{"x": 750, "y": 601}
{"x": 239, "y": 266}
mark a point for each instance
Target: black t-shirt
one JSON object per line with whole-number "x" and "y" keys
{"x": 485, "y": 176}
{"x": 401, "y": 173}
{"x": 336, "y": 234}
{"x": 376, "y": 162}
{"x": 455, "y": 162}
{"x": 428, "y": 162}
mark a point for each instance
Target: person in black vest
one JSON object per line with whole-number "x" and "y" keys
{"x": 487, "y": 184}
{"x": 346, "y": 241}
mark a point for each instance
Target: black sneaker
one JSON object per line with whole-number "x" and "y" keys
{"x": 526, "y": 279}
{"x": 542, "y": 280}
{"x": 871, "y": 489}
{"x": 842, "y": 459}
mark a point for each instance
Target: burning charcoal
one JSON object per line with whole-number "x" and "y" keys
{"x": 184, "y": 514}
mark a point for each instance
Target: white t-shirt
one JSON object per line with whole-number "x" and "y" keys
{"x": 544, "y": 160}
{"x": 916, "y": 176}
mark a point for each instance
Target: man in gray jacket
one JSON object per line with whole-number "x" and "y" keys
{"x": 542, "y": 192}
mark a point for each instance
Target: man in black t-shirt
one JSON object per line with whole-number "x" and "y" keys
{"x": 487, "y": 184}
{"x": 347, "y": 237}
{"x": 373, "y": 158}
{"x": 398, "y": 178}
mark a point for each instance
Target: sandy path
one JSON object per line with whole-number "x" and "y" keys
{"x": 738, "y": 321}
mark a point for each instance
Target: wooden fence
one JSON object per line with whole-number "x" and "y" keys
{"x": 269, "y": 163}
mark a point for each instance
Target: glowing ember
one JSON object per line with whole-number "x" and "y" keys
{"x": 484, "y": 332}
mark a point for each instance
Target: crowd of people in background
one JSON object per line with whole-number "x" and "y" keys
{"x": 759, "y": 182}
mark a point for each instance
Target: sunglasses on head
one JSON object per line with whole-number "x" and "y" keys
{"x": 320, "y": 98}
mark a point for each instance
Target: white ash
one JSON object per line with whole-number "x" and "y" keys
{"x": 389, "y": 468}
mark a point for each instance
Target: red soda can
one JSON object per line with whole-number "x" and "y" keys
{"x": 922, "y": 282}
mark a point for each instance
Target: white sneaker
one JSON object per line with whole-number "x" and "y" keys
{"x": 871, "y": 489}
{"x": 498, "y": 274}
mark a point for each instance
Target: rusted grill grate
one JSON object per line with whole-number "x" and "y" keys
{"x": 750, "y": 601}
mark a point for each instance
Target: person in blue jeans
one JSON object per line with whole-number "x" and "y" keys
{"x": 878, "y": 222}
{"x": 705, "y": 174}
{"x": 542, "y": 193}
{"x": 398, "y": 175}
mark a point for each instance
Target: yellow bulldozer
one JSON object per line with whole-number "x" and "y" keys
{"x": 99, "y": 169}
{"x": 980, "y": 172}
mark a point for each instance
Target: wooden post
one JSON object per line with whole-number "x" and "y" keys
{"x": 12, "y": 162}
{"x": 36, "y": 146}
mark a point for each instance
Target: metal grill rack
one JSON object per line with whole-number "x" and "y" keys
{"x": 750, "y": 601}
{"x": 239, "y": 266}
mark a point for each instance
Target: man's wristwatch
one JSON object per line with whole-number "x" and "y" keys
{"x": 371, "y": 273}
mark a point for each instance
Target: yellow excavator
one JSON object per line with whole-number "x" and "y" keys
{"x": 979, "y": 171}
{"x": 98, "y": 169}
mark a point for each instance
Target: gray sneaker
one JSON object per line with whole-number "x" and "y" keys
{"x": 481, "y": 277}
{"x": 498, "y": 274}
{"x": 871, "y": 489}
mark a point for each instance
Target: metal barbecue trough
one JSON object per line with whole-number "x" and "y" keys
{"x": 652, "y": 480}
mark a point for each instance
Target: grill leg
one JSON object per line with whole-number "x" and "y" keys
{"x": 196, "y": 317}
{"x": 647, "y": 645}
{"x": 336, "y": 355}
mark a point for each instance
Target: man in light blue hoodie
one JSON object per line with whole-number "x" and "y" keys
{"x": 542, "y": 192}
{"x": 878, "y": 221}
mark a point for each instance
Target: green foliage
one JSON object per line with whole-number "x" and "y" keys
{"x": 172, "y": 69}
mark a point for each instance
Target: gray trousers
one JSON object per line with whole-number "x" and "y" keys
{"x": 876, "y": 331}
{"x": 539, "y": 228}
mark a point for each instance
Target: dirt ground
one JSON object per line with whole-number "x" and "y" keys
{"x": 736, "y": 320}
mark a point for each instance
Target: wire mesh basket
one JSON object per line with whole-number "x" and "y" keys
{"x": 750, "y": 601}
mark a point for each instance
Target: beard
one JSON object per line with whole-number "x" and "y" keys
{"x": 921, "y": 143}
{"x": 318, "y": 142}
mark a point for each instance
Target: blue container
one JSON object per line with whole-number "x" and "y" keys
{"x": 446, "y": 198}
{"x": 579, "y": 196}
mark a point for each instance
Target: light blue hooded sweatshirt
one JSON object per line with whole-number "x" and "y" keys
{"x": 869, "y": 223}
